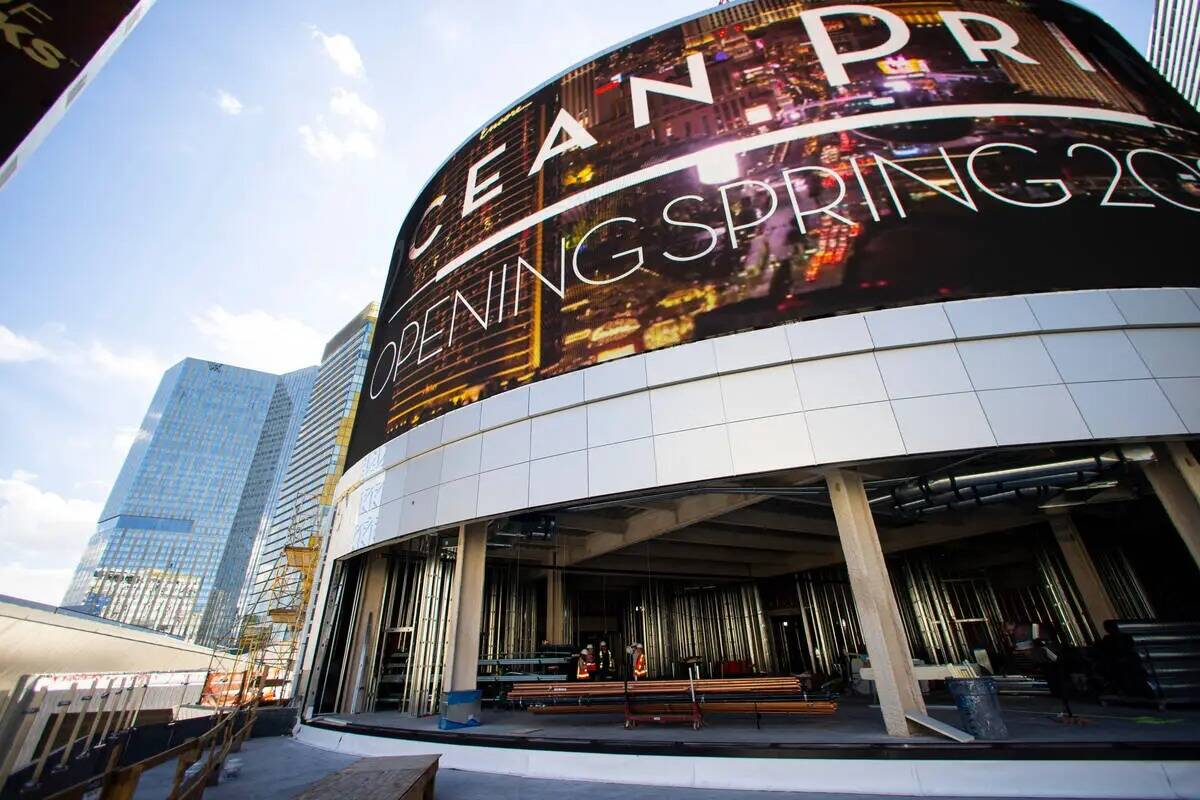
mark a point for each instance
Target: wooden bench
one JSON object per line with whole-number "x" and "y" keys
{"x": 673, "y": 699}
{"x": 386, "y": 778}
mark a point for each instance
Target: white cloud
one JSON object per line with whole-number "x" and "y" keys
{"x": 362, "y": 130}
{"x": 348, "y": 104}
{"x": 125, "y": 438}
{"x": 39, "y": 584}
{"x": 342, "y": 50}
{"x": 139, "y": 365}
{"x": 14, "y": 348}
{"x": 41, "y": 536}
{"x": 445, "y": 25}
{"x": 228, "y": 103}
{"x": 259, "y": 340}
{"x": 324, "y": 145}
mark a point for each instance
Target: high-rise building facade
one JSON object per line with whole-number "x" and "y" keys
{"x": 176, "y": 533}
{"x": 276, "y": 443}
{"x": 1175, "y": 45}
{"x": 304, "y": 498}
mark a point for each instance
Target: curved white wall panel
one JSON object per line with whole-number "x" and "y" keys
{"x": 1069, "y": 366}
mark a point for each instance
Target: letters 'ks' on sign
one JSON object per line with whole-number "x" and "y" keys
{"x": 44, "y": 47}
{"x": 777, "y": 161}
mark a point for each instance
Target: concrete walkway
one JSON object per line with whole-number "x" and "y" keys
{"x": 281, "y": 768}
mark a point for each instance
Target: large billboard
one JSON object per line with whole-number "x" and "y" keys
{"x": 46, "y": 47}
{"x": 777, "y": 160}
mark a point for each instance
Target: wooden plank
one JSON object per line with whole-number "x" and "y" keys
{"x": 385, "y": 778}
{"x": 949, "y": 731}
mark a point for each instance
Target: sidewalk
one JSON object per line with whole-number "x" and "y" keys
{"x": 281, "y": 767}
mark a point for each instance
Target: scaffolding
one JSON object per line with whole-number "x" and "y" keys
{"x": 264, "y": 645}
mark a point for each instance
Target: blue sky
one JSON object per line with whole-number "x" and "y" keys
{"x": 229, "y": 188}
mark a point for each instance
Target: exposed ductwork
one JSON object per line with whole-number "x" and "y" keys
{"x": 1034, "y": 482}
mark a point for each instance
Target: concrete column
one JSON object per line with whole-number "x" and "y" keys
{"x": 1175, "y": 477}
{"x": 466, "y": 610}
{"x": 1095, "y": 597}
{"x": 555, "y": 606}
{"x": 358, "y": 691}
{"x": 1185, "y": 462}
{"x": 878, "y": 615}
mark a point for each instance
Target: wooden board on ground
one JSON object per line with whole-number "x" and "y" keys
{"x": 937, "y": 726}
{"x": 386, "y": 778}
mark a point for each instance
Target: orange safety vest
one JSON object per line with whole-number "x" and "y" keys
{"x": 581, "y": 669}
{"x": 639, "y": 666}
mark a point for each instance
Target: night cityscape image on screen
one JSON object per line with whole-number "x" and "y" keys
{"x": 772, "y": 185}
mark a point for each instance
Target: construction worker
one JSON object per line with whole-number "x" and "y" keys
{"x": 582, "y": 673}
{"x": 590, "y": 654}
{"x": 606, "y": 665}
{"x": 639, "y": 662}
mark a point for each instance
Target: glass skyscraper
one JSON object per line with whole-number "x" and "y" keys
{"x": 171, "y": 548}
{"x": 1175, "y": 45}
{"x": 305, "y": 497}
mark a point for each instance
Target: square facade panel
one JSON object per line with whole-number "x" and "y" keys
{"x": 752, "y": 349}
{"x": 505, "y": 407}
{"x": 692, "y": 455}
{"x": 922, "y": 371}
{"x": 1008, "y": 362}
{"x": 760, "y": 393}
{"x": 842, "y": 381}
{"x": 991, "y": 316}
{"x": 615, "y": 377}
{"x": 461, "y": 422}
{"x": 1032, "y": 414}
{"x": 895, "y": 327}
{"x": 770, "y": 443}
{"x": 558, "y": 432}
{"x": 505, "y": 446}
{"x": 554, "y": 393}
{"x": 680, "y": 363}
{"x": 683, "y": 406}
{"x": 558, "y": 478}
{"x": 1184, "y": 394}
{"x": 1068, "y": 310}
{"x": 1095, "y": 356}
{"x": 461, "y": 458}
{"x": 419, "y": 511}
{"x": 457, "y": 499}
{"x": 619, "y": 419}
{"x": 1125, "y": 409}
{"x": 505, "y": 489}
{"x": 854, "y": 433}
{"x": 830, "y": 336}
{"x": 1156, "y": 306}
{"x": 621, "y": 467}
{"x": 943, "y": 422}
{"x": 424, "y": 471}
{"x": 1169, "y": 352}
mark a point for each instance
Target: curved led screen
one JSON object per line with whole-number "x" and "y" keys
{"x": 772, "y": 161}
